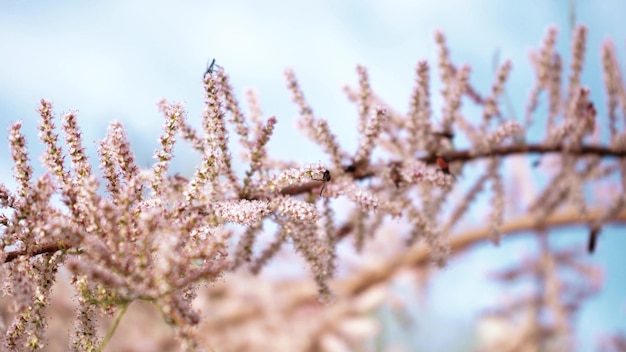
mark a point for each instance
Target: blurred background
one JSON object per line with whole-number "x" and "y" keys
{"x": 113, "y": 60}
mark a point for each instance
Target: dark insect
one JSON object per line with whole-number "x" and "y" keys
{"x": 593, "y": 239}
{"x": 395, "y": 175}
{"x": 443, "y": 166}
{"x": 211, "y": 68}
{"x": 325, "y": 178}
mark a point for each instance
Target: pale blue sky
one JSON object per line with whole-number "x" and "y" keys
{"x": 116, "y": 59}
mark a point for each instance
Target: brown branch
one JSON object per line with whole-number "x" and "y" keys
{"x": 302, "y": 293}
{"x": 466, "y": 155}
{"x": 420, "y": 255}
{"x": 357, "y": 173}
{"x": 36, "y": 250}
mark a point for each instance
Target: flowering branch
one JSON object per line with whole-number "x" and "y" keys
{"x": 148, "y": 234}
{"x": 454, "y": 156}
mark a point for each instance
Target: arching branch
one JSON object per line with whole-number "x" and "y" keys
{"x": 419, "y": 255}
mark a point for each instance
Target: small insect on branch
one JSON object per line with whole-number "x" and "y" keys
{"x": 593, "y": 239}
{"x": 394, "y": 173}
{"x": 325, "y": 178}
{"x": 444, "y": 167}
{"x": 211, "y": 68}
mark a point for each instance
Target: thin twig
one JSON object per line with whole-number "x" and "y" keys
{"x": 113, "y": 327}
